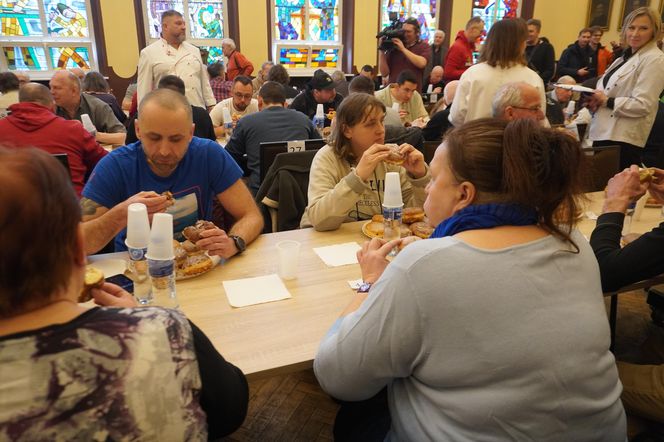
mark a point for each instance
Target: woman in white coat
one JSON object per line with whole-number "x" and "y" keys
{"x": 501, "y": 62}
{"x": 625, "y": 102}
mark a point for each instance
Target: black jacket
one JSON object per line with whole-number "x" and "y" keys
{"x": 542, "y": 59}
{"x": 306, "y": 104}
{"x": 574, "y": 58}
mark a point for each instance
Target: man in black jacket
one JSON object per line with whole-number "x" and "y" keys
{"x": 320, "y": 90}
{"x": 577, "y": 60}
{"x": 643, "y": 385}
{"x": 539, "y": 52}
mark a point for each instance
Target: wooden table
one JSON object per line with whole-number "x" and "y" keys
{"x": 283, "y": 336}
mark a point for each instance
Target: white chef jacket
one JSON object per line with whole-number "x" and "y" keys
{"x": 160, "y": 59}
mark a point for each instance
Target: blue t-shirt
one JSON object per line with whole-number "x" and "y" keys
{"x": 205, "y": 171}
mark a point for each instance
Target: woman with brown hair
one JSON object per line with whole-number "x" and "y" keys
{"x": 501, "y": 61}
{"x": 625, "y": 101}
{"x": 71, "y": 371}
{"x": 95, "y": 84}
{"x": 347, "y": 176}
{"x": 495, "y": 328}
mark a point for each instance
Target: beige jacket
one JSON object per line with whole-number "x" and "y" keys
{"x": 337, "y": 195}
{"x": 635, "y": 86}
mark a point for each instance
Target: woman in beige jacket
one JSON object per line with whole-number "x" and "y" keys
{"x": 625, "y": 102}
{"x": 347, "y": 177}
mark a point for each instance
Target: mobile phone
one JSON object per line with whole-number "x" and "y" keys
{"x": 123, "y": 281}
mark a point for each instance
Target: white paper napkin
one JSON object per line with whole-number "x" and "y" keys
{"x": 338, "y": 254}
{"x": 258, "y": 290}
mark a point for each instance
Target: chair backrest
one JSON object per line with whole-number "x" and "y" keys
{"x": 270, "y": 150}
{"x": 604, "y": 163}
{"x": 64, "y": 160}
{"x": 429, "y": 149}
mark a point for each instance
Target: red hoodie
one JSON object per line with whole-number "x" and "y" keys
{"x": 34, "y": 125}
{"x": 459, "y": 57}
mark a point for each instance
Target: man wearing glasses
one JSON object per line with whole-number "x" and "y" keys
{"x": 518, "y": 100}
{"x": 239, "y": 104}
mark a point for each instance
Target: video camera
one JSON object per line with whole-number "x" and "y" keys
{"x": 393, "y": 30}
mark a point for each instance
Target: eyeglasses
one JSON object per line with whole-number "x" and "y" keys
{"x": 530, "y": 109}
{"x": 241, "y": 96}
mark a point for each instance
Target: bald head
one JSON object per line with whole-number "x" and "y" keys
{"x": 36, "y": 93}
{"x": 450, "y": 91}
{"x": 78, "y": 72}
{"x": 164, "y": 99}
{"x": 436, "y": 75}
{"x": 517, "y": 100}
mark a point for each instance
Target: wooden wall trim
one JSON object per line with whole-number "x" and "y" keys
{"x": 270, "y": 25}
{"x": 445, "y": 20}
{"x": 233, "y": 20}
{"x": 527, "y": 9}
{"x": 140, "y": 24}
{"x": 348, "y": 36}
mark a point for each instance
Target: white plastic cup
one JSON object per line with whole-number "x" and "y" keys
{"x": 429, "y": 88}
{"x": 138, "y": 226}
{"x": 320, "y": 110}
{"x": 396, "y": 106}
{"x": 226, "y": 114}
{"x": 87, "y": 124}
{"x": 289, "y": 254}
{"x": 160, "y": 246}
{"x": 392, "y": 196}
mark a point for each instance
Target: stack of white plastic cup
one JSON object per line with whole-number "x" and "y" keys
{"x": 138, "y": 236}
{"x": 161, "y": 262}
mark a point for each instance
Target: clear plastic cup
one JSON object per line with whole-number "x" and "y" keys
{"x": 289, "y": 255}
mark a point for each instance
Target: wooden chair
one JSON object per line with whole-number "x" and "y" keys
{"x": 604, "y": 162}
{"x": 429, "y": 149}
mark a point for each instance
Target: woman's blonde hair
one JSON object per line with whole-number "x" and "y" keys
{"x": 353, "y": 110}
{"x": 655, "y": 19}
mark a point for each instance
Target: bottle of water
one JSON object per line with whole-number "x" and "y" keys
{"x": 162, "y": 275}
{"x": 228, "y": 122}
{"x": 138, "y": 266}
{"x": 319, "y": 119}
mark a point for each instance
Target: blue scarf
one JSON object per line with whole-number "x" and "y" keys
{"x": 484, "y": 216}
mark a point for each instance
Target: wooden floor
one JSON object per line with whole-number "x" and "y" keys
{"x": 294, "y": 408}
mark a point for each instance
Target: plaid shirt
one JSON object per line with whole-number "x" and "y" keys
{"x": 220, "y": 88}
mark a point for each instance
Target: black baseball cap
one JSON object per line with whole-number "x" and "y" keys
{"x": 321, "y": 80}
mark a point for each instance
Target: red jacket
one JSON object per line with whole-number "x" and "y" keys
{"x": 459, "y": 57}
{"x": 34, "y": 125}
{"x": 238, "y": 65}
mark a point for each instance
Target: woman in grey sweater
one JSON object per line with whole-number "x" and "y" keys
{"x": 495, "y": 329}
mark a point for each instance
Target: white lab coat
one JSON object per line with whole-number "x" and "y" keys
{"x": 160, "y": 59}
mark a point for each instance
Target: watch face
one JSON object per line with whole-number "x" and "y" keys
{"x": 239, "y": 243}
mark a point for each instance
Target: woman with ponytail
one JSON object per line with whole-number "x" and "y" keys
{"x": 493, "y": 329}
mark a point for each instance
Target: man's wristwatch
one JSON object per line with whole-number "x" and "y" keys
{"x": 239, "y": 243}
{"x": 364, "y": 288}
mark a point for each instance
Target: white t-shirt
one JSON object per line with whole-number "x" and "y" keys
{"x": 217, "y": 113}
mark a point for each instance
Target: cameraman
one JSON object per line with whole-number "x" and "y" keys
{"x": 410, "y": 53}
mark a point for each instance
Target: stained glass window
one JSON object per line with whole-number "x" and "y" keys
{"x": 494, "y": 10}
{"x": 424, "y": 10}
{"x": 294, "y": 56}
{"x": 70, "y": 57}
{"x": 20, "y": 18}
{"x": 25, "y": 58}
{"x": 45, "y": 35}
{"x": 205, "y": 19}
{"x": 312, "y": 22}
{"x": 214, "y": 54}
{"x": 324, "y": 58}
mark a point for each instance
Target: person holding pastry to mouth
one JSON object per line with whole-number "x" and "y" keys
{"x": 347, "y": 177}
